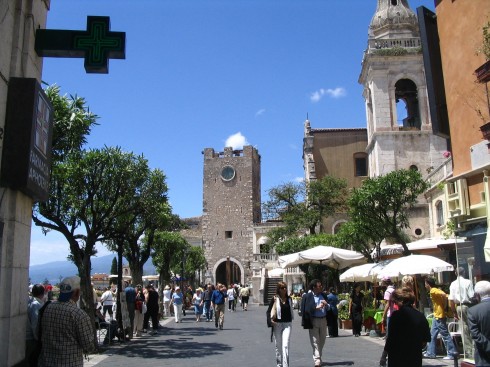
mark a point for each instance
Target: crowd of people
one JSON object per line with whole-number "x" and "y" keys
{"x": 60, "y": 333}
{"x": 408, "y": 332}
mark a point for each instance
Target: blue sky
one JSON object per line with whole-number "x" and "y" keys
{"x": 215, "y": 73}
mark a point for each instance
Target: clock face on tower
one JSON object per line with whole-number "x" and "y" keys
{"x": 227, "y": 173}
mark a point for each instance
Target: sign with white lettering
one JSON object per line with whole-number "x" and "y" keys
{"x": 26, "y": 158}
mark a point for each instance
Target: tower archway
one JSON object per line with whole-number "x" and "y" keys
{"x": 229, "y": 270}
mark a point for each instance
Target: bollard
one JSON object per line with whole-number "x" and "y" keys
{"x": 455, "y": 356}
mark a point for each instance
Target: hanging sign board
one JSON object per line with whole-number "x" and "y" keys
{"x": 26, "y": 157}
{"x": 96, "y": 45}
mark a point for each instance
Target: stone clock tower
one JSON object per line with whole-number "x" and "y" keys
{"x": 231, "y": 206}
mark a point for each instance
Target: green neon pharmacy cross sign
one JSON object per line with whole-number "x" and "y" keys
{"x": 96, "y": 45}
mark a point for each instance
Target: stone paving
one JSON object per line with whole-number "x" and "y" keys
{"x": 245, "y": 341}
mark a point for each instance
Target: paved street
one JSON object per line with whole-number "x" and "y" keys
{"x": 245, "y": 341}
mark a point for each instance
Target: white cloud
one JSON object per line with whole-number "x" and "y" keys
{"x": 236, "y": 141}
{"x": 260, "y": 112}
{"x": 334, "y": 93}
{"x": 299, "y": 179}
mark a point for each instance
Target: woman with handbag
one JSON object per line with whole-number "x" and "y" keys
{"x": 140, "y": 307}
{"x": 280, "y": 316}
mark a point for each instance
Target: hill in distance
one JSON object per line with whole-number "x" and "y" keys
{"x": 57, "y": 270}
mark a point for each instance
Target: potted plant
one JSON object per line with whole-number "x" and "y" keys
{"x": 343, "y": 307}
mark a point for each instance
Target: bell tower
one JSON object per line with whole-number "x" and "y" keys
{"x": 231, "y": 206}
{"x": 395, "y": 93}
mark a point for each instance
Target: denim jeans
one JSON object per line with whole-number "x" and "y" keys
{"x": 208, "y": 310}
{"x": 440, "y": 326}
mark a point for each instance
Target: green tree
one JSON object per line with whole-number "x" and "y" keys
{"x": 89, "y": 189}
{"x": 114, "y": 266}
{"x": 113, "y": 270}
{"x": 150, "y": 212}
{"x": 302, "y": 206}
{"x": 166, "y": 254}
{"x": 381, "y": 206}
{"x": 194, "y": 261}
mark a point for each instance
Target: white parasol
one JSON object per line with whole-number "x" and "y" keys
{"x": 333, "y": 257}
{"x": 415, "y": 264}
{"x": 363, "y": 273}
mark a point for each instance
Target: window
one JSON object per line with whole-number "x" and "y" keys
{"x": 413, "y": 167}
{"x": 408, "y": 114}
{"x": 439, "y": 214}
{"x": 228, "y": 234}
{"x": 360, "y": 165}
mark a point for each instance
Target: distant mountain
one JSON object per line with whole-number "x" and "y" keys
{"x": 55, "y": 270}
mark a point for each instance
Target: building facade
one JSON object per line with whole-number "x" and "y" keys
{"x": 231, "y": 207}
{"x": 19, "y": 21}
{"x": 465, "y": 75}
{"x": 339, "y": 153}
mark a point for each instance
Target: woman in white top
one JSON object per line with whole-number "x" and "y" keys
{"x": 166, "y": 301}
{"x": 198, "y": 301}
{"x": 231, "y": 298}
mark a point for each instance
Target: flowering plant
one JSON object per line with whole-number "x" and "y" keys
{"x": 446, "y": 154}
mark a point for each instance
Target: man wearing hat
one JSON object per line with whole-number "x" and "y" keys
{"x": 66, "y": 331}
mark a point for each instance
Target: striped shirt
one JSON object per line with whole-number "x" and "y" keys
{"x": 67, "y": 332}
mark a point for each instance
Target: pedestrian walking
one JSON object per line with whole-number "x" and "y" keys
{"x": 280, "y": 316}
{"x": 231, "y": 298}
{"x": 314, "y": 311}
{"x": 479, "y": 323}
{"x": 244, "y": 296}
{"x": 34, "y": 304}
{"x": 131, "y": 305}
{"x": 208, "y": 310}
{"x": 107, "y": 300}
{"x": 151, "y": 309}
{"x": 67, "y": 332}
{"x": 388, "y": 310}
{"x": 332, "y": 313}
{"x": 197, "y": 301}
{"x": 167, "y": 292}
{"x": 408, "y": 331}
{"x": 177, "y": 302}
{"x": 140, "y": 307}
{"x": 218, "y": 303}
{"x": 460, "y": 300}
{"x": 355, "y": 309}
{"x": 439, "y": 325}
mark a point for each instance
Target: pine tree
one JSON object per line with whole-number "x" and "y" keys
{"x": 114, "y": 269}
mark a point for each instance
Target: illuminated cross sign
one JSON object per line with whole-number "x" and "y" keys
{"x": 97, "y": 44}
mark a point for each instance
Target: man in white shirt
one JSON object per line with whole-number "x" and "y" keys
{"x": 460, "y": 295}
{"x": 107, "y": 301}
